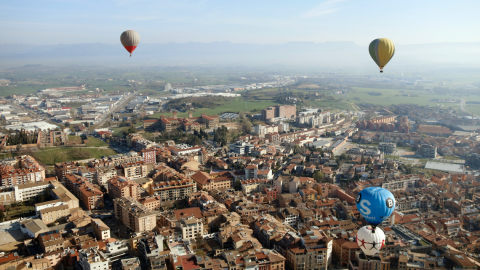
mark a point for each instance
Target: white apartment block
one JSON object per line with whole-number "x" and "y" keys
{"x": 93, "y": 259}
{"x": 104, "y": 174}
{"x": 191, "y": 227}
{"x": 25, "y": 192}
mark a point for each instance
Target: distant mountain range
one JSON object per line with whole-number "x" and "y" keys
{"x": 328, "y": 54}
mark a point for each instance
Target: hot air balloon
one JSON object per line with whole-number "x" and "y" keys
{"x": 130, "y": 40}
{"x": 370, "y": 240}
{"x": 375, "y": 204}
{"x": 381, "y": 50}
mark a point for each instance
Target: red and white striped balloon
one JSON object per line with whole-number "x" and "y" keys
{"x": 130, "y": 40}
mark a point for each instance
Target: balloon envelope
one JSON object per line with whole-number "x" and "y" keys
{"x": 130, "y": 40}
{"x": 369, "y": 241}
{"x": 375, "y": 204}
{"x": 381, "y": 50}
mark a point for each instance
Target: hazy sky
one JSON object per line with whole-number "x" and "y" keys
{"x": 246, "y": 21}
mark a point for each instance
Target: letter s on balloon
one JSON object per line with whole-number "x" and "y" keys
{"x": 364, "y": 208}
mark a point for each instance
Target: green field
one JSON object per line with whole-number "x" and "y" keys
{"x": 49, "y": 157}
{"x": 53, "y": 155}
{"x": 395, "y": 96}
{"x": 473, "y": 108}
{"x": 94, "y": 142}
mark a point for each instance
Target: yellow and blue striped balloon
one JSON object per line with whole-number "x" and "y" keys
{"x": 381, "y": 50}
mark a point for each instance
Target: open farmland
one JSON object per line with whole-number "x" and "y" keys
{"x": 395, "y": 96}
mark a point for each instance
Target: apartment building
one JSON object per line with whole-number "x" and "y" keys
{"x": 314, "y": 251}
{"x": 93, "y": 259}
{"x": 133, "y": 170}
{"x": 90, "y": 195}
{"x": 284, "y": 111}
{"x": 170, "y": 185}
{"x": 404, "y": 182}
{"x": 427, "y": 151}
{"x": 262, "y": 129}
{"x": 150, "y": 246}
{"x": 312, "y": 118}
{"x": 52, "y": 214}
{"x": 387, "y": 147}
{"x": 89, "y": 173}
{"x": 120, "y": 186}
{"x": 130, "y": 157}
{"x": 134, "y": 215}
{"x": 25, "y": 192}
{"x": 104, "y": 174}
{"x": 151, "y": 202}
{"x": 149, "y": 156}
{"x": 188, "y": 221}
{"x": 51, "y": 138}
{"x": 212, "y": 181}
{"x": 256, "y": 185}
{"x": 344, "y": 250}
{"x": 100, "y": 229}
{"x": 61, "y": 195}
{"x": 131, "y": 264}
{"x": 20, "y": 170}
{"x": 51, "y": 241}
{"x": 62, "y": 169}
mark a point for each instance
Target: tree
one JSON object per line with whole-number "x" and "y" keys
{"x": 199, "y": 240}
{"x": 318, "y": 176}
{"x": 246, "y": 125}
{"x": 238, "y": 185}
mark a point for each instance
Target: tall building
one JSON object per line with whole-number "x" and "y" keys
{"x": 134, "y": 215}
{"x": 104, "y": 174}
{"x": 20, "y": 170}
{"x": 427, "y": 151}
{"x": 149, "y": 155}
{"x": 89, "y": 194}
{"x": 387, "y": 147}
{"x": 286, "y": 111}
{"x": 170, "y": 185}
{"x": 62, "y": 169}
{"x": 122, "y": 187}
{"x": 134, "y": 170}
{"x": 150, "y": 246}
{"x": 93, "y": 259}
{"x": 312, "y": 251}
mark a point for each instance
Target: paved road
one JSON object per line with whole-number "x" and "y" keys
{"x": 120, "y": 105}
{"x": 462, "y": 107}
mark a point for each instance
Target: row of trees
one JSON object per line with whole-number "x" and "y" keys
{"x": 22, "y": 137}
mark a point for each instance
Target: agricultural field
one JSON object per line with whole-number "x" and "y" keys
{"x": 473, "y": 108}
{"x": 395, "y": 96}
